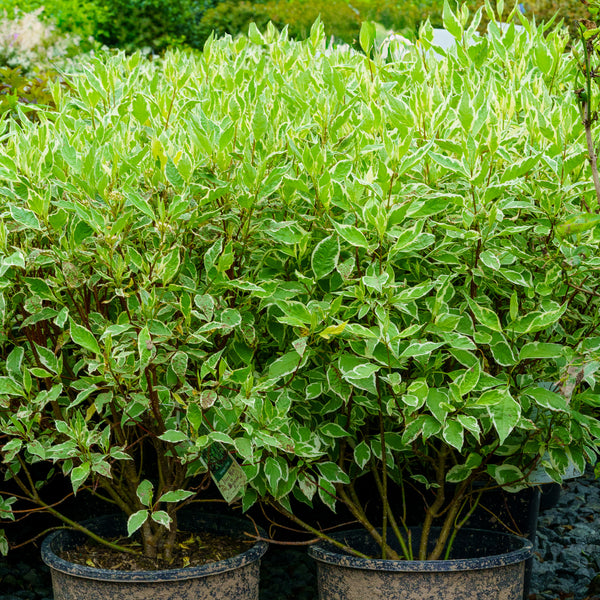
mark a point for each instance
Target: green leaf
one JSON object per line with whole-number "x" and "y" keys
{"x": 484, "y": 315}
{"x": 337, "y": 384}
{"x": 140, "y": 203}
{"x": 448, "y": 163}
{"x": 362, "y": 454}
{"x": 351, "y": 234}
{"x": 453, "y": 434}
{"x": 491, "y": 397}
{"x": 139, "y": 108}
{"x": 506, "y": 474}
{"x": 546, "y": 319}
{"x": 231, "y": 317}
{"x": 327, "y": 493}
{"x": 179, "y": 363}
{"x": 145, "y": 492}
{"x": 458, "y": 473}
{"x": 547, "y": 399}
{"x": 169, "y": 266}
{"x": 450, "y": 21}
{"x": 173, "y": 175}
{"x": 333, "y": 430}
{"x": 260, "y": 123}
{"x": 437, "y": 402}
{"x": 244, "y": 448}
{"x": 161, "y": 517}
{"x": 489, "y": 259}
{"x": 173, "y": 436}
{"x": 3, "y": 542}
{"x": 16, "y": 259}
{"x": 325, "y": 257}
{"x": 333, "y": 473}
{"x": 14, "y": 362}
{"x": 367, "y": 36}
{"x": 9, "y": 387}
{"x": 470, "y": 379}
{"x": 79, "y": 475}
{"x": 24, "y": 217}
{"x": 577, "y": 225}
{"x": 83, "y": 337}
{"x": 415, "y": 292}
{"x": 505, "y": 415}
{"x": 273, "y": 473}
{"x": 541, "y": 350}
{"x": 195, "y": 416}
{"x": 136, "y": 520}
{"x": 284, "y": 365}
{"x": 48, "y": 359}
{"x": 145, "y": 347}
{"x": 520, "y": 167}
{"x": 502, "y": 353}
{"x": 175, "y": 496}
{"x": 420, "y": 349}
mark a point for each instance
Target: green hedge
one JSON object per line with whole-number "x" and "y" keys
{"x": 234, "y": 16}
{"x": 84, "y": 18}
{"x": 159, "y": 24}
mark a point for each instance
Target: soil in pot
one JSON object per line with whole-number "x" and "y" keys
{"x": 191, "y": 550}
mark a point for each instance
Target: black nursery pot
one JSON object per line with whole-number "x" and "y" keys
{"x": 236, "y": 578}
{"x": 484, "y": 565}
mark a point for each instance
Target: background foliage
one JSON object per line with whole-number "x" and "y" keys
{"x": 158, "y": 24}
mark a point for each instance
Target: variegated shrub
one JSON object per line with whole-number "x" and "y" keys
{"x": 329, "y": 264}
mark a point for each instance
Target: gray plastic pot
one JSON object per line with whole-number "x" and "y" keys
{"x": 234, "y": 579}
{"x": 484, "y": 565}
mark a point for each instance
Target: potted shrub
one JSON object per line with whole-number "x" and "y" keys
{"x": 426, "y": 269}
{"x": 118, "y": 332}
{"x": 369, "y": 282}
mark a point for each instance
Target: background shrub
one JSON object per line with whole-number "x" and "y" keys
{"x": 339, "y": 19}
{"x": 232, "y": 17}
{"x": 156, "y": 24}
{"x": 17, "y": 89}
{"x": 543, "y": 10}
{"x": 82, "y": 18}
{"x": 30, "y": 43}
{"x": 403, "y": 18}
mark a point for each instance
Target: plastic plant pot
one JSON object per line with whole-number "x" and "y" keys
{"x": 236, "y": 578}
{"x": 484, "y": 565}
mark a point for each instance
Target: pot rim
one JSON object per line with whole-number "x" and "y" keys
{"x": 325, "y": 553}
{"x": 55, "y": 562}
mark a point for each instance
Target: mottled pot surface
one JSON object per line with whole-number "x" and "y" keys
{"x": 484, "y": 566}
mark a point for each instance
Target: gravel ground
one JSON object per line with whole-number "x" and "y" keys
{"x": 568, "y": 545}
{"x": 567, "y": 558}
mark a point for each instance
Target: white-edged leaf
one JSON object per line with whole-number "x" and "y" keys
{"x": 79, "y": 475}
{"x": 136, "y": 520}
{"x": 325, "y": 257}
{"x": 162, "y": 518}
{"x": 176, "y": 496}
{"x": 84, "y": 337}
{"x": 173, "y": 436}
{"x": 145, "y": 492}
